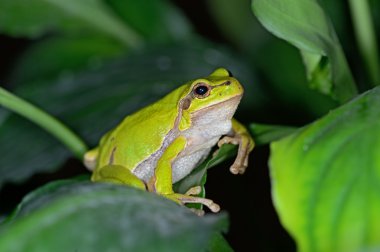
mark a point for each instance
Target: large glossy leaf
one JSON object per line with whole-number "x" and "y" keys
{"x": 65, "y": 55}
{"x": 219, "y": 244}
{"x": 84, "y": 216}
{"x": 60, "y": 55}
{"x": 326, "y": 179}
{"x": 34, "y": 18}
{"x": 269, "y": 55}
{"x": 243, "y": 30}
{"x": 157, "y": 21}
{"x": 94, "y": 101}
{"x": 305, "y": 25}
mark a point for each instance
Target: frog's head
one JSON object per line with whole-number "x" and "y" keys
{"x": 217, "y": 95}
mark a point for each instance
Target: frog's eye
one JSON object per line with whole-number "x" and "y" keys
{"x": 201, "y": 90}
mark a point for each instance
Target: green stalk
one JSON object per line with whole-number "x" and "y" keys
{"x": 366, "y": 38}
{"x": 45, "y": 121}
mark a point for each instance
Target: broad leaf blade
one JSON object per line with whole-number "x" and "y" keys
{"x": 218, "y": 243}
{"x": 63, "y": 56}
{"x": 34, "y": 18}
{"x": 157, "y": 21}
{"x": 305, "y": 25}
{"x": 69, "y": 216}
{"x": 37, "y": 198}
{"x": 326, "y": 179}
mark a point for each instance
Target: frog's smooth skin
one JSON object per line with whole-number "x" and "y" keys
{"x": 163, "y": 142}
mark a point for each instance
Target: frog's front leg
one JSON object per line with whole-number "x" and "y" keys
{"x": 241, "y": 137}
{"x": 161, "y": 182}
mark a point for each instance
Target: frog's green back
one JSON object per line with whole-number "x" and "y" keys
{"x": 142, "y": 133}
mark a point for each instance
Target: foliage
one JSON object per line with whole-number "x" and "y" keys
{"x": 63, "y": 205}
{"x": 89, "y": 63}
{"x": 325, "y": 176}
{"x": 326, "y": 180}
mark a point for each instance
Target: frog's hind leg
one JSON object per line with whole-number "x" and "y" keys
{"x": 90, "y": 158}
{"x": 117, "y": 174}
{"x": 161, "y": 182}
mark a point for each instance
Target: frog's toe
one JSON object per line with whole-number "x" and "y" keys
{"x": 194, "y": 190}
{"x": 228, "y": 140}
{"x": 184, "y": 199}
{"x": 241, "y": 162}
{"x": 238, "y": 168}
{"x": 206, "y": 202}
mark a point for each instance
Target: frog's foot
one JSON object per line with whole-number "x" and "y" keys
{"x": 184, "y": 199}
{"x": 194, "y": 190}
{"x": 241, "y": 161}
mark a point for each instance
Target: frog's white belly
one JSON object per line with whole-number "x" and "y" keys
{"x": 199, "y": 141}
{"x": 182, "y": 166}
{"x": 208, "y": 125}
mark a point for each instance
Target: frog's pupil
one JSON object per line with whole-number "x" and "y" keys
{"x": 201, "y": 90}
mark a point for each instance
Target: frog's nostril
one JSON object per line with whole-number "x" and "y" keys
{"x": 227, "y": 83}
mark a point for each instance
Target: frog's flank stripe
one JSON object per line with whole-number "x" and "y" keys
{"x": 110, "y": 162}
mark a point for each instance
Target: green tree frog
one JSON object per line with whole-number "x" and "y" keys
{"x": 163, "y": 142}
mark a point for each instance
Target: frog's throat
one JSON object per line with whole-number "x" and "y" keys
{"x": 184, "y": 118}
{"x": 233, "y": 100}
{"x": 219, "y": 111}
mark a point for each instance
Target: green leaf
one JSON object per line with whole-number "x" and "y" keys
{"x": 33, "y": 18}
{"x": 94, "y": 101}
{"x": 63, "y": 56}
{"x": 265, "y": 133}
{"x": 305, "y": 25}
{"x": 40, "y": 196}
{"x": 157, "y": 21}
{"x": 218, "y": 243}
{"x": 288, "y": 88}
{"x": 326, "y": 179}
{"x": 242, "y": 30}
{"x": 101, "y": 217}
{"x": 262, "y": 49}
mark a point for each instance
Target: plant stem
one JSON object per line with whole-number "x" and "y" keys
{"x": 45, "y": 121}
{"x": 365, "y": 35}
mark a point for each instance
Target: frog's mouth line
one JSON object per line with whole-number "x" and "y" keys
{"x": 226, "y": 83}
{"x": 186, "y": 102}
{"x": 234, "y": 100}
